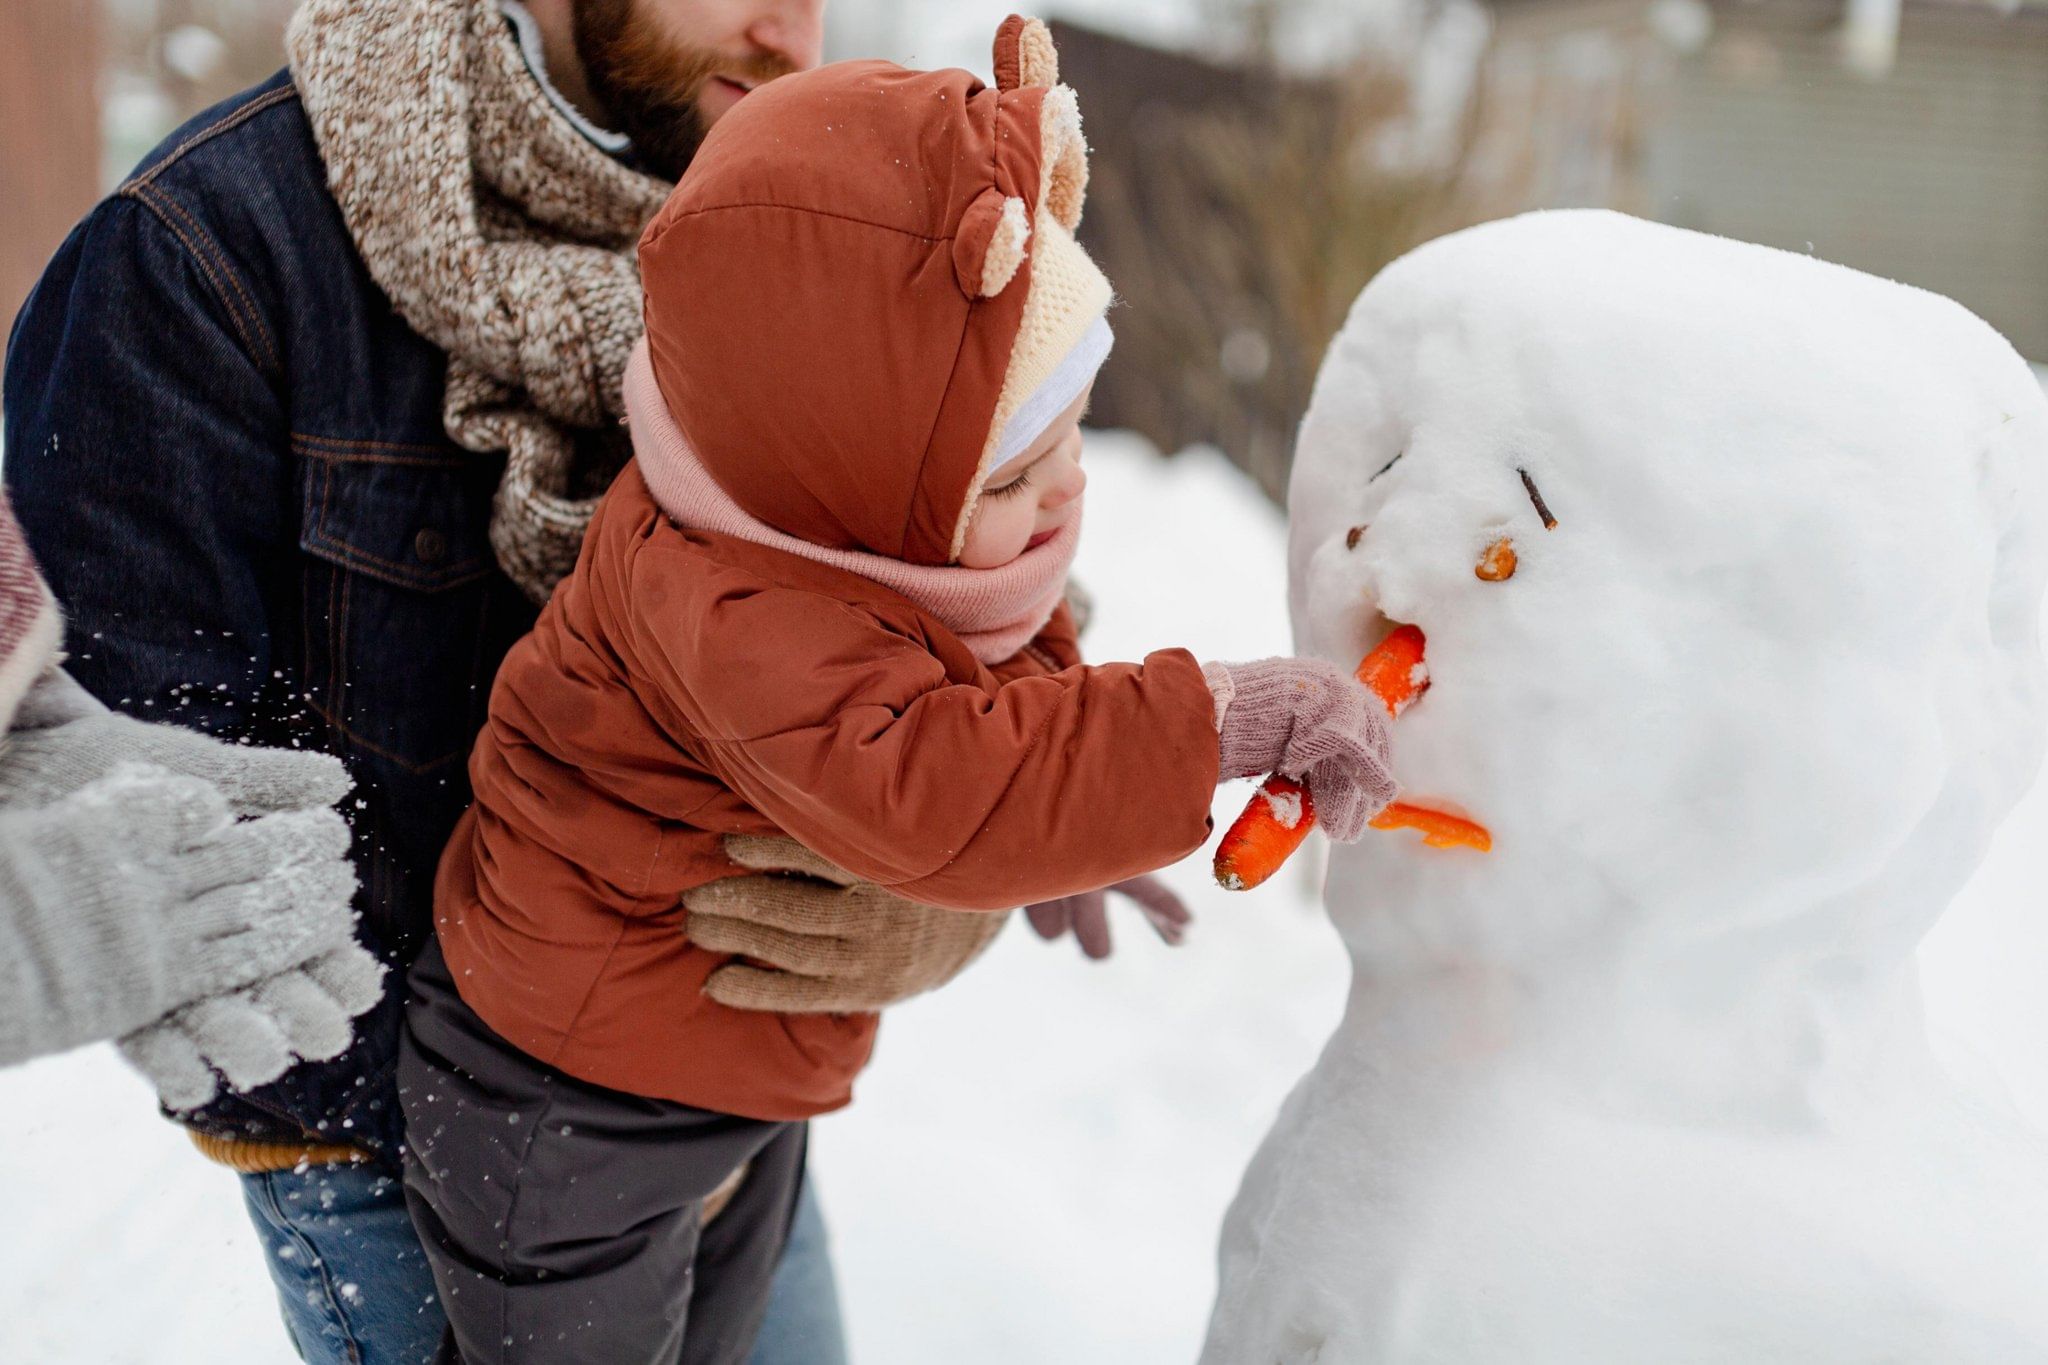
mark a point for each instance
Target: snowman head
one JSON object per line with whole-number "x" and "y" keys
{"x": 1762, "y": 692}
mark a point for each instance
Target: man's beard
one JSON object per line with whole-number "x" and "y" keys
{"x": 649, "y": 82}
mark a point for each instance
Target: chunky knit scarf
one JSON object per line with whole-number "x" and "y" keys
{"x": 499, "y": 232}
{"x": 995, "y": 612}
{"x": 30, "y": 631}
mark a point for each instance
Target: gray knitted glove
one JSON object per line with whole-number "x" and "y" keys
{"x": 1310, "y": 721}
{"x": 252, "y": 1036}
{"x": 64, "y": 739}
{"x": 139, "y": 894}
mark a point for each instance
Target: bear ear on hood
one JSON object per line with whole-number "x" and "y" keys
{"x": 1025, "y": 54}
{"x": 990, "y": 247}
{"x": 1025, "y": 57}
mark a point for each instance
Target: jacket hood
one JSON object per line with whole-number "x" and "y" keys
{"x": 835, "y": 289}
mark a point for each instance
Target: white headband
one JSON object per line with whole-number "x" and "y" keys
{"x": 1056, "y": 394}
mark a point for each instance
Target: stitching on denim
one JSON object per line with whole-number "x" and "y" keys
{"x": 355, "y": 457}
{"x": 227, "y": 124}
{"x": 203, "y": 242}
{"x": 333, "y": 695}
{"x": 227, "y": 269}
{"x": 316, "y": 1264}
{"x": 141, "y": 195}
{"x": 341, "y": 659}
{"x": 351, "y": 443}
{"x": 404, "y": 575}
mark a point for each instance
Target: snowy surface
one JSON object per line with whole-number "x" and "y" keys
{"x": 1652, "y": 1079}
{"x": 1037, "y": 1163}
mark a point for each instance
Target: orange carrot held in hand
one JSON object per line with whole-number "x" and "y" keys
{"x": 1266, "y": 835}
{"x": 1279, "y": 817}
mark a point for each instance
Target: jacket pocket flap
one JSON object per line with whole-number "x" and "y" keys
{"x": 414, "y": 521}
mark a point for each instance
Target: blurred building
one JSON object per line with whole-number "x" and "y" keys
{"x": 49, "y": 134}
{"x": 88, "y": 86}
{"x": 1906, "y": 139}
{"x": 1238, "y": 207}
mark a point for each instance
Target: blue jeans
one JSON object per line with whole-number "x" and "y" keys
{"x": 355, "y": 1288}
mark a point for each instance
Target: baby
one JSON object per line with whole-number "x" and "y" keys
{"x": 824, "y": 602}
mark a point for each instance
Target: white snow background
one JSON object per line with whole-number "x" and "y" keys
{"x": 1038, "y": 1160}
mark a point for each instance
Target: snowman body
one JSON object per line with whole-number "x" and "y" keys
{"x": 1650, "y": 1080}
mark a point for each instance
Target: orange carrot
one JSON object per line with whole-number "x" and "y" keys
{"x": 1273, "y": 825}
{"x": 1498, "y": 563}
{"x": 1395, "y": 671}
{"x": 1439, "y": 829}
{"x": 1279, "y": 817}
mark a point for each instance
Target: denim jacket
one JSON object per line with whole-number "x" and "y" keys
{"x": 226, "y": 450}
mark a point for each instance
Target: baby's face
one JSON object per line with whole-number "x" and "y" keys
{"x": 1027, "y": 501}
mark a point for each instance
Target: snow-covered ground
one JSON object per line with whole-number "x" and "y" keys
{"x": 1039, "y": 1158}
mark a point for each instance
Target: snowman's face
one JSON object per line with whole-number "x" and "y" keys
{"x": 1761, "y": 638}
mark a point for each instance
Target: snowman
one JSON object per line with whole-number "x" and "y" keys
{"x": 1730, "y": 565}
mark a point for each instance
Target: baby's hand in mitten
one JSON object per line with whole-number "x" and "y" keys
{"x": 1086, "y": 914}
{"x": 1310, "y": 721}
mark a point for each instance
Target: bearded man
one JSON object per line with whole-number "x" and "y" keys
{"x": 304, "y": 421}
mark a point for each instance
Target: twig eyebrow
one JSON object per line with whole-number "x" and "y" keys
{"x": 1542, "y": 509}
{"x": 1388, "y": 465}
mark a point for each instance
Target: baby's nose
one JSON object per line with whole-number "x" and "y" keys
{"x": 1069, "y": 486}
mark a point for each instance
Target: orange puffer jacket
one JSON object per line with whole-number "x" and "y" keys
{"x": 683, "y": 686}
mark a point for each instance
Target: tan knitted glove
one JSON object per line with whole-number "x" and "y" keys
{"x": 827, "y": 942}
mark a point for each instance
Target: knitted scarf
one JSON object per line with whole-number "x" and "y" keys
{"x": 30, "y": 629}
{"x": 499, "y": 232}
{"x": 995, "y": 612}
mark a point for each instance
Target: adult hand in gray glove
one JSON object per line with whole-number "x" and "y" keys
{"x": 63, "y": 739}
{"x": 818, "y": 940}
{"x": 1310, "y": 721}
{"x": 251, "y": 1036}
{"x": 1086, "y": 914}
{"x": 139, "y": 894}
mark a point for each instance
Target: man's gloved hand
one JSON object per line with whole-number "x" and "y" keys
{"x": 820, "y": 940}
{"x": 1307, "y": 720}
{"x": 63, "y": 739}
{"x": 252, "y": 1036}
{"x": 140, "y": 894}
{"x": 1087, "y": 914}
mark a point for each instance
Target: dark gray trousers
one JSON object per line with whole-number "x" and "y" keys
{"x": 562, "y": 1219}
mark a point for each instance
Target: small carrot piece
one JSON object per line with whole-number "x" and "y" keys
{"x": 1438, "y": 828}
{"x": 1395, "y": 671}
{"x": 1498, "y": 563}
{"x": 1274, "y": 824}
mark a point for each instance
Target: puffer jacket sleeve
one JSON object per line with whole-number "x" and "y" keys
{"x": 945, "y": 792}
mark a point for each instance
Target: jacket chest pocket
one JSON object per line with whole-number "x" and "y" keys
{"x": 400, "y": 598}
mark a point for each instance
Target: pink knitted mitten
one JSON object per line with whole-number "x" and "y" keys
{"x": 1310, "y": 721}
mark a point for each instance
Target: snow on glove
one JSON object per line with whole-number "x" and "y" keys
{"x": 252, "y": 1036}
{"x": 1087, "y": 914}
{"x": 63, "y": 739}
{"x": 139, "y": 894}
{"x": 1310, "y": 721}
{"x": 821, "y": 941}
